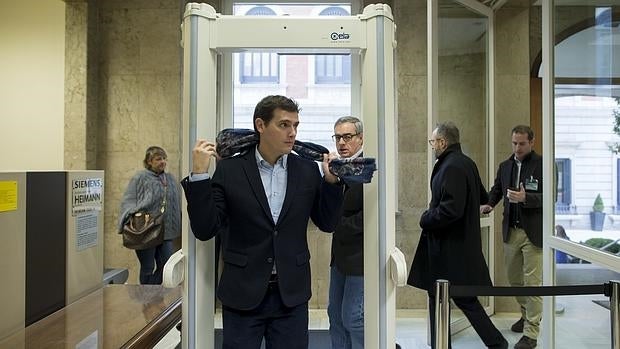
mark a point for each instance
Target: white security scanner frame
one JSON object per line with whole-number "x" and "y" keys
{"x": 371, "y": 35}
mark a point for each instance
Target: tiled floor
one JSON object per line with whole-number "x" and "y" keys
{"x": 582, "y": 325}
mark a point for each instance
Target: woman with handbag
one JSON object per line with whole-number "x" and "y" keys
{"x": 150, "y": 215}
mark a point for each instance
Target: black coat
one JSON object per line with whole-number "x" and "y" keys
{"x": 450, "y": 245}
{"x": 348, "y": 239}
{"x": 235, "y": 198}
{"x": 530, "y": 211}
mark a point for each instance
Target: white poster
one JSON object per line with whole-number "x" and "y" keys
{"x": 86, "y": 195}
{"x": 86, "y": 231}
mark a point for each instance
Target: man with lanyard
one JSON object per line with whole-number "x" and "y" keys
{"x": 519, "y": 184}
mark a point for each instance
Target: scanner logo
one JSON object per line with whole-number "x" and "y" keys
{"x": 340, "y": 36}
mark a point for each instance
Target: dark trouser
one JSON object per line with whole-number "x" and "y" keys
{"x": 282, "y": 327}
{"x": 152, "y": 261}
{"x": 476, "y": 315}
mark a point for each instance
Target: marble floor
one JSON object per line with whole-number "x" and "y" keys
{"x": 580, "y": 324}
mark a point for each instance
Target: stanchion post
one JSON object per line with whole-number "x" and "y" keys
{"x": 614, "y": 308}
{"x": 442, "y": 314}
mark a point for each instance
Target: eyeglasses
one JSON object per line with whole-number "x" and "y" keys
{"x": 432, "y": 142}
{"x": 346, "y": 137}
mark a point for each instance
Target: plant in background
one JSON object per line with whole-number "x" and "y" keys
{"x": 615, "y": 148}
{"x": 597, "y": 216}
{"x": 608, "y": 245}
{"x": 598, "y": 204}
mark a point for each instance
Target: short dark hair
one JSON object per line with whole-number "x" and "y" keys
{"x": 151, "y": 152}
{"x": 265, "y": 108}
{"x": 523, "y": 129}
{"x": 449, "y": 132}
{"x": 359, "y": 127}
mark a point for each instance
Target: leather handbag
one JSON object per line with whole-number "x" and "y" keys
{"x": 143, "y": 230}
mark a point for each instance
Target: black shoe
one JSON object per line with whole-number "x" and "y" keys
{"x": 397, "y": 346}
{"x": 526, "y": 343}
{"x": 503, "y": 345}
{"x": 518, "y": 326}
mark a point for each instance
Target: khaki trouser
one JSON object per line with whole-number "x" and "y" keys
{"x": 524, "y": 268}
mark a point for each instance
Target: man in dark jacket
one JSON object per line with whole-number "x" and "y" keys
{"x": 346, "y": 284}
{"x": 519, "y": 185}
{"x": 450, "y": 243}
{"x": 263, "y": 199}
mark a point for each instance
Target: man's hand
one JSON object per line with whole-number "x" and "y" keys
{"x": 201, "y": 156}
{"x": 516, "y": 195}
{"x": 484, "y": 209}
{"x": 329, "y": 177}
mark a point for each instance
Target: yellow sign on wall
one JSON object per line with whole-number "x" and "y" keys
{"x": 8, "y": 196}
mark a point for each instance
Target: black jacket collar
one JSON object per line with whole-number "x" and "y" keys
{"x": 456, "y": 147}
{"x": 527, "y": 158}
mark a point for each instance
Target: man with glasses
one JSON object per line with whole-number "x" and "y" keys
{"x": 346, "y": 286}
{"x": 519, "y": 185}
{"x": 450, "y": 243}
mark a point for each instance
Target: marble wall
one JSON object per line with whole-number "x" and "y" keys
{"x": 410, "y": 18}
{"x": 512, "y": 107}
{"x": 123, "y": 94}
{"x": 77, "y": 89}
{"x": 463, "y": 100}
{"x": 139, "y": 100}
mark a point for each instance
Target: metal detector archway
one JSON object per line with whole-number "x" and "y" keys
{"x": 370, "y": 35}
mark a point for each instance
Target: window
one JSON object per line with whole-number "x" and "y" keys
{"x": 293, "y": 75}
{"x": 617, "y": 208}
{"x": 563, "y": 179}
{"x": 333, "y": 69}
{"x": 259, "y": 67}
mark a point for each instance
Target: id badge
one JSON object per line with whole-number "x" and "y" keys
{"x": 531, "y": 184}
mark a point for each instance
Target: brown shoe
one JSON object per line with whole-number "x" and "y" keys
{"x": 518, "y": 326}
{"x": 525, "y": 343}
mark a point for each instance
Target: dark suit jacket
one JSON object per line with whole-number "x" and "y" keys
{"x": 450, "y": 246}
{"x": 348, "y": 239}
{"x": 235, "y": 198}
{"x": 531, "y": 209}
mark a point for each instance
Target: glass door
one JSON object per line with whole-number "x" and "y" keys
{"x": 581, "y": 122}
